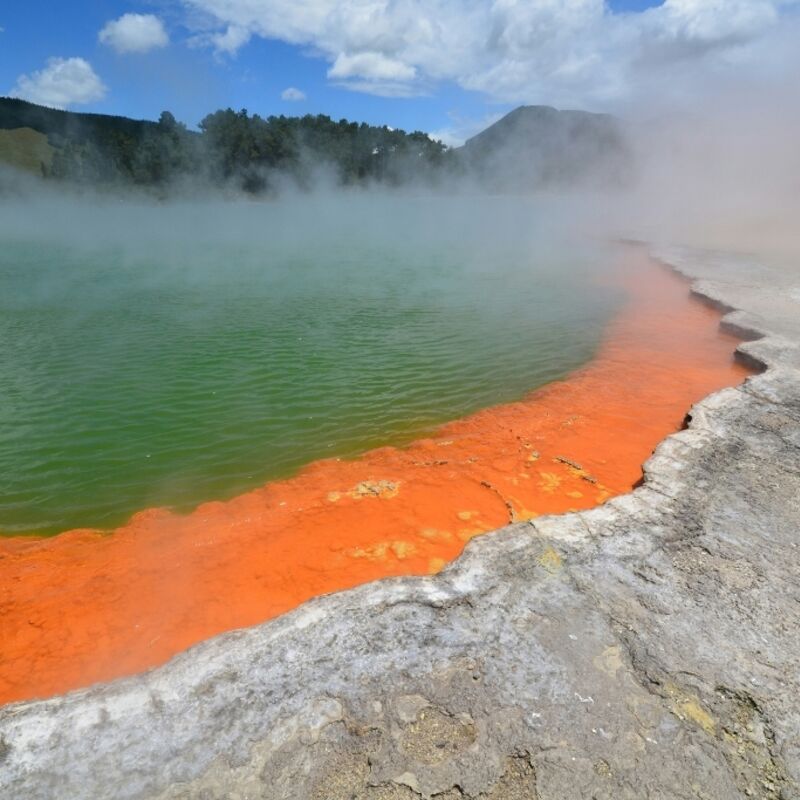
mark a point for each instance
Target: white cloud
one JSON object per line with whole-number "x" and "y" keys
{"x": 371, "y": 66}
{"x": 230, "y": 40}
{"x": 293, "y": 95}
{"x": 374, "y": 73}
{"x": 566, "y": 52}
{"x": 134, "y": 33}
{"x": 383, "y": 88}
{"x": 702, "y": 20}
{"x": 63, "y": 82}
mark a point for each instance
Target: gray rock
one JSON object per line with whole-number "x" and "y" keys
{"x": 648, "y": 648}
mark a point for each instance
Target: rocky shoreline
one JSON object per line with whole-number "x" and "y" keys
{"x": 648, "y": 648}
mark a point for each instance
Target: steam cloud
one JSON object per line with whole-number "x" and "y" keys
{"x": 715, "y": 163}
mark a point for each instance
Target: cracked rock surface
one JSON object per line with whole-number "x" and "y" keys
{"x": 649, "y": 648}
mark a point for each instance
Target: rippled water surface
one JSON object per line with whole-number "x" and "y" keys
{"x": 168, "y": 355}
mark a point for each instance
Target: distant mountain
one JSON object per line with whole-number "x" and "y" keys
{"x": 540, "y": 146}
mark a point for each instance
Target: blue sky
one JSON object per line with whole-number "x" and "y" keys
{"x": 448, "y": 67}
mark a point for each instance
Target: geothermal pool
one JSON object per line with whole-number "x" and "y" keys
{"x": 166, "y": 356}
{"x": 461, "y": 328}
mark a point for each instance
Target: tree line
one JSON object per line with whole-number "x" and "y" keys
{"x": 231, "y": 149}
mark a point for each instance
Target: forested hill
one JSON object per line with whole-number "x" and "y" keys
{"x": 531, "y": 148}
{"x": 232, "y": 149}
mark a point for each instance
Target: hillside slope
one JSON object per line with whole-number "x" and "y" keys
{"x": 71, "y": 125}
{"x": 26, "y": 149}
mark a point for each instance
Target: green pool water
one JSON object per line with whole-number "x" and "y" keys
{"x": 172, "y": 354}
